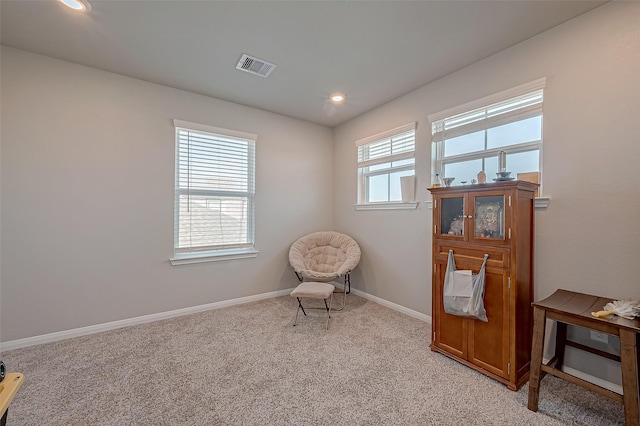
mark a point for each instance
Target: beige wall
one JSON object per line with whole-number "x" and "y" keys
{"x": 588, "y": 239}
{"x": 87, "y": 197}
{"x": 87, "y": 183}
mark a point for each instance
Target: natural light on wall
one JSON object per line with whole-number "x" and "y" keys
{"x": 77, "y": 5}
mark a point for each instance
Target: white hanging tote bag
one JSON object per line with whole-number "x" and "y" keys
{"x": 464, "y": 291}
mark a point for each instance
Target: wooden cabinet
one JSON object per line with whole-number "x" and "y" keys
{"x": 495, "y": 219}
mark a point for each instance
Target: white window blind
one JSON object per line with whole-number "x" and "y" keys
{"x": 382, "y": 160}
{"x": 515, "y": 109}
{"x": 214, "y": 191}
{"x": 394, "y": 148}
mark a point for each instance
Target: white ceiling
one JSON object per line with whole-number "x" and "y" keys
{"x": 373, "y": 51}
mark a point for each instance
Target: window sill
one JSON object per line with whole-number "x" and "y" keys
{"x": 542, "y": 202}
{"x": 212, "y": 256}
{"x": 387, "y": 206}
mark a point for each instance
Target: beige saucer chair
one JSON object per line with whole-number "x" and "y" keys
{"x": 319, "y": 260}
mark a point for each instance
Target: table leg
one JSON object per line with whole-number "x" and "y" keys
{"x": 561, "y": 342}
{"x": 629, "y": 364}
{"x": 537, "y": 347}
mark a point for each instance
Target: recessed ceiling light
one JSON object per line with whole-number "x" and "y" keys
{"x": 337, "y": 98}
{"x": 78, "y": 5}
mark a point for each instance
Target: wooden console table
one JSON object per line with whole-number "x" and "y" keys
{"x": 567, "y": 307}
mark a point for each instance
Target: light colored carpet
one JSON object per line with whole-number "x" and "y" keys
{"x": 247, "y": 365}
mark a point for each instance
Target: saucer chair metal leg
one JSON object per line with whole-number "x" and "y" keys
{"x": 346, "y": 289}
{"x": 298, "y": 310}
{"x": 329, "y": 308}
{"x": 347, "y": 284}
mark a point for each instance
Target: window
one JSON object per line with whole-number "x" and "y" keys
{"x": 468, "y": 139}
{"x": 382, "y": 160}
{"x": 214, "y": 193}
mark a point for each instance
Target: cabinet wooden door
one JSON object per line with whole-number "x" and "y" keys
{"x": 490, "y": 217}
{"x": 488, "y": 345}
{"x": 450, "y": 330}
{"x": 485, "y": 344}
{"x": 451, "y": 217}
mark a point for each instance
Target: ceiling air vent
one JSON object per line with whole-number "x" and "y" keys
{"x": 255, "y": 66}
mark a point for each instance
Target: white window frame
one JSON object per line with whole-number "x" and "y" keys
{"x": 448, "y": 124}
{"x": 364, "y": 161}
{"x": 215, "y": 252}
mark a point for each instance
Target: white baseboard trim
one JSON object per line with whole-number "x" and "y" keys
{"x": 613, "y": 387}
{"x": 92, "y": 329}
{"x": 98, "y": 328}
{"x": 83, "y": 331}
{"x": 394, "y": 306}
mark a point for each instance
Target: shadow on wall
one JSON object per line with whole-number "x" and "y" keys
{"x": 366, "y": 284}
{"x": 287, "y": 276}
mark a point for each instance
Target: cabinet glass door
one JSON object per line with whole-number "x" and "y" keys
{"x": 489, "y": 217}
{"x": 452, "y": 217}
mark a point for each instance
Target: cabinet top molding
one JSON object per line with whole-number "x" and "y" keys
{"x": 517, "y": 184}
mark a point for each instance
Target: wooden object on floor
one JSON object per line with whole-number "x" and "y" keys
{"x": 495, "y": 219}
{"x": 567, "y": 307}
{"x": 8, "y": 388}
